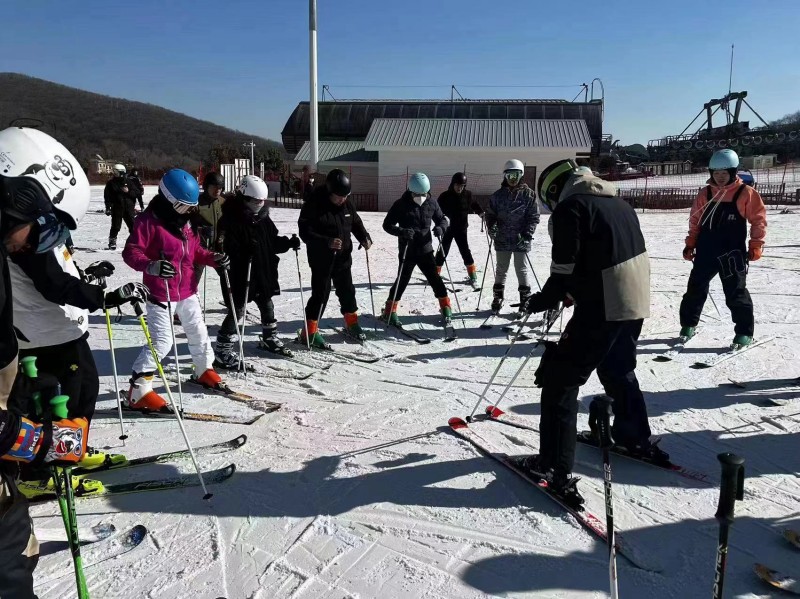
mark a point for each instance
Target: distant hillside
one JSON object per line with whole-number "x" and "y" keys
{"x": 135, "y": 132}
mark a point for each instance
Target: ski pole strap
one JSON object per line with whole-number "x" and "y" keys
{"x": 731, "y": 486}
{"x": 600, "y": 420}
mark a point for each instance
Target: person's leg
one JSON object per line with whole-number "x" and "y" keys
{"x": 320, "y": 290}
{"x": 733, "y": 274}
{"x": 128, "y": 213}
{"x": 696, "y": 291}
{"x": 116, "y": 225}
{"x": 500, "y": 274}
{"x": 144, "y": 367}
{"x": 19, "y": 549}
{"x": 191, "y": 316}
{"x": 427, "y": 265}
{"x": 444, "y": 250}
{"x": 523, "y": 276}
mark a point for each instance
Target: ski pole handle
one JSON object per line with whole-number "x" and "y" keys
{"x": 58, "y": 406}
{"x": 30, "y": 370}
{"x": 600, "y": 413}
{"x": 731, "y": 486}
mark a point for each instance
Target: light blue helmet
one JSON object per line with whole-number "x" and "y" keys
{"x": 179, "y": 187}
{"x": 419, "y": 184}
{"x": 722, "y": 160}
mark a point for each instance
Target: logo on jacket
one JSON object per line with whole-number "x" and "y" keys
{"x": 73, "y": 367}
{"x": 80, "y": 320}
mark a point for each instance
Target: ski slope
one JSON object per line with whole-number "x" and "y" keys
{"x": 357, "y": 488}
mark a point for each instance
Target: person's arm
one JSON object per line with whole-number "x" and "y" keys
{"x": 136, "y": 246}
{"x": 698, "y": 208}
{"x": 439, "y": 218}
{"x": 490, "y": 214}
{"x": 201, "y": 255}
{"x": 57, "y": 286}
{"x": 305, "y": 226}
{"x": 108, "y": 196}
{"x": 280, "y": 243}
{"x": 359, "y": 231}
{"x": 752, "y": 208}
{"x": 390, "y": 221}
{"x": 566, "y": 246}
{"x": 531, "y": 217}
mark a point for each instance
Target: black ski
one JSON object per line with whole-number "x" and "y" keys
{"x": 675, "y": 348}
{"x": 335, "y": 353}
{"x": 734, "y": 351}
{"x": 160, "y": 458}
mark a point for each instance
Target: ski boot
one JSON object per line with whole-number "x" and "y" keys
{"x": 687, "y": 332}
{"x": 650, "y": 452}
{"x": 225, "y": 355}
{"x": 497, "y": 301}
{"x": 446, "y": 310}
{"x": 210, "y": 379}
{"x": 269, "y": 342}
{"x": 565, "y": 488}
{"x": 317, "y": 340}
{"x": 141, "y": 396}
{"x": 389, "y": 314}
{"x": 39, "y": 490}
{"x": 533, "y": 466}
{"x": 472, "y": 273}
{"x": 112, "y": 243}
{"x": 353, "y": 328}
{"x": 524, "y": 296}
{"x": 740, "y": 341}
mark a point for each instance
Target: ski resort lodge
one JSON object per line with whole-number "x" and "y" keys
{"x": 380, "y": 142}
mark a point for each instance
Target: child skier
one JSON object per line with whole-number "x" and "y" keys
{"x": 410, "y": 220}
{"x": 456, "y": 204}
{"x": 250, "y": 238}
{"x": 326, "y": 222}
{"x": 716, "y": 245}
{"x": 164, "y": 247}
{"x": 512, "y": 216}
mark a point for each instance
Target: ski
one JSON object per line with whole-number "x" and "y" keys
{"x": 225, "y": 391}
{"x": 160, "y": 458}
{"x": 337, "y": 353}
{"x": 490, "y": 321}
{"x": 410, "y": 334}
{"x": 498, "y": 415}
{"x": 734, "y": 351}
{"x": 675, "y": 348}
{"x": 366, "y": 343}
{"x": 210, "y": 477}
{"x": 87, "y": 534}
{"x": 792, "y": 536}
{"x": 199, "y": 416}
{"x": 586, "y": 519}
{"x": 784, "y": 582}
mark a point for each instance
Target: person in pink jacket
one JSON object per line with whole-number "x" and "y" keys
{"x": 164, "y": 247}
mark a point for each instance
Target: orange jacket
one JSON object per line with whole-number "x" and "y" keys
{"x": 749, "y": 204}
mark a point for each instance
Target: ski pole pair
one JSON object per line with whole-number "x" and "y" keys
{"x": 240, "y": 327}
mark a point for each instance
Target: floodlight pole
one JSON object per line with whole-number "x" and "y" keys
{"x": 313, "y": 105}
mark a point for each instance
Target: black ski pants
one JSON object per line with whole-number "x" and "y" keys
{"x": 265, "y": 307}
{"x": 19, "y": 550}
{"x": 124, "y": 210}
{"x": 460, "y": 237}
{"x": 427, "y": 265}
{"x": 73, "y": 365}
{"x": 323, "y": 276}
{"x": 732, "y": 270}
{"x": 588, "y": 344}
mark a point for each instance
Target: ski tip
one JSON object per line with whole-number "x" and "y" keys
{"x": 240, "y": 440}
{"x": 494, "y": 412}
{"x": 136, "y": 535}
{"x": 207, "y": 496}
{"x": 792, "y": 536}
{"x": 456, "y": 423}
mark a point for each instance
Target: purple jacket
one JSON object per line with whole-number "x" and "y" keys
{"x": 149, "y": 239}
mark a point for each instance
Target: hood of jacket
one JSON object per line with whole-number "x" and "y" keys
{"x": 588, "y": 185}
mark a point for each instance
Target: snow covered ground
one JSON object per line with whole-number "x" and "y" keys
{"x": 356, "y": 487}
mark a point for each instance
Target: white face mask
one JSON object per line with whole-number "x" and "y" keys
{"x": 419, "y": 200}
{"x": 254, "y": 205}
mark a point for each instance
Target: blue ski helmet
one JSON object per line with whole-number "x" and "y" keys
{"x": 419, "y": 184}
{"x": 179, "y": 187}
{"x": 722, "y": 160}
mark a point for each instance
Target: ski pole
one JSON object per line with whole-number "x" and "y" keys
{"x": 140, "y": 314}
{"x": 122, "y": 436}
{"x": 499, "y": 365}
{"x": 302, "y": 301}
{"x": 397, "y": 280}
{"x": 453, "y": 289}
{"x": 369, "y": 280}
{"x": 731, "y": 489}
{"x": 205, "y": 278}
{"x": 483, "y": 280}
{"x": 174, "y": 342}
{"x": 600, "y": 413}
{"x": 535, "y": 278}
{"x": 244, "y": 317}
{"x": 233, "y": 315}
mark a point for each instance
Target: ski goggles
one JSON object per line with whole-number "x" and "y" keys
{"x": 23, "y": 200}
{"x": 513, "y": 176}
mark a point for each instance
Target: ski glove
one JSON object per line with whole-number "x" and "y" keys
{"x": 493, "y": 231}
{"x": 438, "y": 232}
{"x": 522, "y": 240}
{"x": 688, "y": 253}
{"x": 99, "y": 270}
{"x": 755, "y": 253}
{"x": 108, "y": 211}
{"x": 294, "y": 242}
{"x": 407, "y": 234}
{"x": 60, "y": 442}
{"x": 163, "y": 269}
{"x": 535, "y": 303}
{"x": 130, "y": 292}
{"x": 222, "y": 260}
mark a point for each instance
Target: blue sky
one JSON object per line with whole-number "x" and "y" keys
{"x": 244, "y": 64}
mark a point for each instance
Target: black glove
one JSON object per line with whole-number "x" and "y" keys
{"x": 493, "y": 231}
{"x": 222, "y": 260}
{"x": 294, "y": 242}
{"x": 129, "y": 292}
{"x": 99, "y": 270}
{"x": 163, "y": 269}
{"x": 407, "y": 234}
{"x": 438, "y": 232}
{"x": 523, "y": 239}
{"x": 535, "y": 303}
{"x": 108, "y": 211}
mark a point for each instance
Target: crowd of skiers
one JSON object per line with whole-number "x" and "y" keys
{"x": 599, "y": 265}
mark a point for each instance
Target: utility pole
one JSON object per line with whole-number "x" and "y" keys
{"x": 252, "y": 146}
{"x": 313, "y": 105}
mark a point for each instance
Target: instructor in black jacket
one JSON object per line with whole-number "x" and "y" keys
{"x": 120, "y": 199}
{"x": 457, "y": 204}
{"x": 326, "y": 222}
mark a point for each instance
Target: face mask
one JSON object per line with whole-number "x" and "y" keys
{"x": 419, "y": 200}
{"x": 255, "y": 206}
{"x": 52, "y": 233}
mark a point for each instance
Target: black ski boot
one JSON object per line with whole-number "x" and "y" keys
{"x": 497, "y": 301}
{"x": 650, "y": 452}
{"x": 565, "y": 487}
{"x": 226, "y": 356}
{"x": 269, "y": 342}
{"x": 524, "y": 295}
{"x": 112, "y": 243}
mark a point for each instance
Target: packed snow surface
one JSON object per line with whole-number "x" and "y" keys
{"x": 357, "y": 488}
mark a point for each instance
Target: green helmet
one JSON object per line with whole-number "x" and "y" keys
{"x": 553, "y": 180}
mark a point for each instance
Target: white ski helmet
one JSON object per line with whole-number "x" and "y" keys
{"x": 514, "y": 165}
{"x": 253, "y": 187}
{"x": 119, "y": 170}
{"x": 26, "y": 152}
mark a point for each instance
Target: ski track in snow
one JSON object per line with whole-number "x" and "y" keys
{"x": 356, "y": 488}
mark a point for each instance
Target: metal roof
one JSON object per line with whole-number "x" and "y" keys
{"x": 470, "y": 133}
{"x": 337, "y": 151}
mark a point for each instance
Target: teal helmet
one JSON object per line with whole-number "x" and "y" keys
{"x": 419, "y": 184}
{"x": 722, "y": 160}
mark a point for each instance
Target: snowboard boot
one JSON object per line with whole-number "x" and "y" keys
{"x": 742, "y": 340}
{"x": 226, "y": 355}
{"x": 142, "y": 397}
{"x": 112, "y": 243}
{"x": 687, "y": 332}
{"x": 270, "y": 342}
{"x": 497, "y": 301}
{"x": 389, "y": 314}
{"x": 210, "y": 378}
{"x": 446, "y": 310}
{"x": 353, "y": 328}
{"x": 317, "y": 340}
{"x": 472, "y": 273}
{"x": 524, "y": 296}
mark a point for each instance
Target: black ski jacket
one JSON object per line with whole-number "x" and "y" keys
{"x": 136, "y": 184}
{"x": 321, "y": 221}
{"x": 247, "y": 237}
{"x": 115, "y": 195}
{"x": 457, "y": 207}
{"x": 405, "y": 214}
